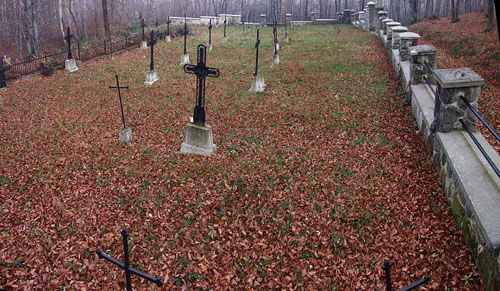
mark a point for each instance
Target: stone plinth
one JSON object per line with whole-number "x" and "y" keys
{"x": 198, "y": 140}
{"x": 419, "y": 55}
{"x": 258, "y": 84}
{"x": 262, "y": 20}
{"x": 151, "y": 77}
{"x": 384, "y": 25}
{"x": 389, "y": 26}
{"x": 451, "y": 84}
{"x": 347, "y": 16}
{"x": 396, "y": 30}
{"x": 144, "y": 44}
{"x": 184, "y": 59}
{"x": 70, "y": 66}
{"x": 125, "y": 135}
{"x": 406, "y": 40}
{"x": 210, "y": 47}
{"x": 276, "y": 60}
{"x": 313, "y": 17}
{"x": 224, "y": 39}
{"x": 168, "y": 38}
{"x": 371, "y": 16}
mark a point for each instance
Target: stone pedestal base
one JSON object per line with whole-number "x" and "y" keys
{"x": 125, "y": 135}
{"x": 151, "y": 77}
{"x": 144, "y": 44}
{"x": 258, "y": 84}
{"x": 198, "y": 140}
{"x": 276, "y": 60}
{"x": 70, "y": 66}
{"x": 224, "y": 39}
{"x": 210, "y": 48}
{"x": 184, "y": 59}
{"x": 3, "y": 89}
{"x": 287, "y": 40}
{"x": 277, "y": 46}
{"x": 168, "y": 38}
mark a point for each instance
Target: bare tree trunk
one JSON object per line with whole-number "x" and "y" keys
{"x": 107, "y": 31}
{"x": 491, "y": 15}
{"x": 414, "y": 11}
{"x": 306, "y": 7}
{"x": 454, "y": 11}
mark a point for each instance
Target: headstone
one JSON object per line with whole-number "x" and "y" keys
{"x": 449, "y": 109}
{"x": 151, "y": 75}
{"x": 346, "y": 17}
{"x": 262, "y": 20}
{"x": 169, "y": 38}
{"x": 406, "y": 40}
{"x": 210, "y": 36}
{"x": 396, "y": 30}
{"x": 224, "y": 38}
{"x": 126, "y": 133}
{"x": 371, "y": 16}
{"x": 70, "y": 63}
{"x": 258, "y": 84}
{"x": 199, "y": 138}
{"x": 144, "y": 44}
{"x": 419, "y": 56}
{"x": 185, "y": 56}
{"x": 3, "y": 79}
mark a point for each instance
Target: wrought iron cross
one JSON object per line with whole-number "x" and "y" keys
{"x": 126, "y": 265}
{"x": 143, "y": 25}
{"x": 225, "y": 23}
{"x": 275, "y": 32}
{"x": 210, "y": 32}
{"x": 120, "y": 96}
{"x": 185, "y": 33}
{"x": 68, "y": 38}
{"x": 168, "y": 25}
{"x": 3, "y": 70}
{"x": 257, "y": 44}
{"x": 202, "y": 72}
{"x": 152, "y": 43}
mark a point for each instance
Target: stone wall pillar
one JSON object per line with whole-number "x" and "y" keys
{"x": 389, "y": 25}
{"x": 371, "y": 16}
{"x": 381, "y": 16}
{"x": 361, "y": 15}
{"x": 406, "y": 40}
{"x": 288, "y": 17}
{"x": 451, "y": 84}
{"x": 263, "y": 20}
{"x": 396, "y": 30}
{"x": 313, "y": 17}
{"x": 419, "y": 55}
{"x": 384, "y": 25}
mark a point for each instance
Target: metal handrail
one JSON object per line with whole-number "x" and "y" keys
{"x": 480, "y": 147}
{"x": 478, "y": 115}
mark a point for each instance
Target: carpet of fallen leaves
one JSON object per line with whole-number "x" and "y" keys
{"x": 314, "y": 182}
{"x": 466, "y": 44}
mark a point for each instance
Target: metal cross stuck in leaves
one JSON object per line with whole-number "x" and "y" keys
{"x": 210, "y": 32}
{"x": 126, "y": 265}
{"x": 168, "y": 25}
{"x": 68, "y": 38}
{"x": 152, "y": 43}
{"x": 143, "y": 25}
{"x": 120, "y": 96}
{"x": 257, "y": 44}
{"x": 3, "y": 70}
{"x": 202, "y": 72}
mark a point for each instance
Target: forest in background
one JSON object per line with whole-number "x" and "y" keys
{"x": 31, "y": 27}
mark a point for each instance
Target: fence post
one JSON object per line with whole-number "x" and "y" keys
{"x": 419, "y": 55}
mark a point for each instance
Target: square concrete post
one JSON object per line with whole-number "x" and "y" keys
{"x": 346, "y": 17}
{"x": 451, "y": 84}
{"x": 406, "y": 40}
{"x": 262, "y": 20}
{"x": 419, "y": 55}
{"x": 313, "y": 17}
{"x": 384, "y": 25}
{"x": 396, "y": 30}
{"x": 371, "y": 16}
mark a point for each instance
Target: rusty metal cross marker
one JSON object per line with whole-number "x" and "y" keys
{"x": 120, "y": 96}
{"x": 68, "y": 38}
{"x": 202, "y": 72}
{"x": 126, "y": 265}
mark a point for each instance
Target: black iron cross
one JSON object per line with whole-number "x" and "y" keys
{"x": 143, "y": 25}
{"x": 185, "y": 33}
{"x": 168, "y": 25}
{"x": 202, "y": 72}
{"x": 126, "y": 265}
{"x": 120, "y": 96}
{"x": 68, "y": 38}
{"x": 152, "y": 43}
{"x": 275, "y": 32}
{"x": 210, "y": 32}
{"x": 257, "y": 44}
{"x": 225, "y": 23}
{"x": 3, "y": 70}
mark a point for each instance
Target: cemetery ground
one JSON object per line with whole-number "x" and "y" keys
{"x": 313, "y": 184}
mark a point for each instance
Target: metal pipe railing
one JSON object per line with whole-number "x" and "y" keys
{"x": 478, "y": 115}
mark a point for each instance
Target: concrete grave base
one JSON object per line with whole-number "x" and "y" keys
{"x": 144, "y": 44}
{"x": 125, "y": 135}
{"x": 168, "y": 38}
{"x": 198, "y": 140}
{"x": 70, "y": 66}
{"x": 151, "y": 77}
{"x": 210, "y": 47}
{"x": 224, "y": 39}
{"x": 276, "y": 60}
{"x": 287, "y": 40}
{"x": 4, "y": 89}
{"x": 258, "y": 84}
{"x": 277, "y": 46}
{"x": 184, "y": 59}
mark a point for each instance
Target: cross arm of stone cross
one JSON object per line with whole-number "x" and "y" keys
{"x": 202, "y": 71}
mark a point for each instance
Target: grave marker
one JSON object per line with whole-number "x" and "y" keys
{"x": 126, "y": 265}
{"x": 144, "y": 44}
{"x": 70, "y": 63}
{"x": 151, "y": 75}
{"x": 185, "y": 56}
{"x": 224, "y": 38}
{"x": 169, "y": 38}
{"x": 276, "y": 57}
{"x": 210, "y": 36}
{"x": 257, "y": 84}
{"x": 199, "y": 138}
{"x": 3, "y": 70}
{"x": 126, "y": 133}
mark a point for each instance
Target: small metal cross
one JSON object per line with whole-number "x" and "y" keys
{"x": 201, "y": 71}
{"x": 257, "y": 44}
{"x": 185, "y": 33}
{"x": 152, "y": 43}
{"x": 3, "y": 70}
{"x": 120, "y": 96}
{"x": 168, "y": 25}
{"x": 143, "y": 25}
{"x": 210, "y": 32}
{"x": 68, "y": 38}
{"x": 126, "y": 265}
{"x": 225, "y": 23}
